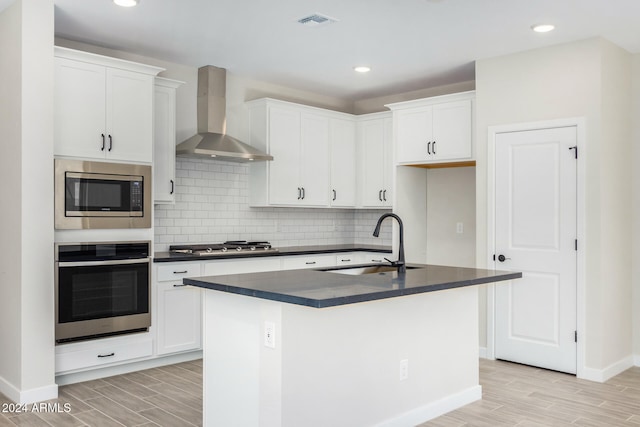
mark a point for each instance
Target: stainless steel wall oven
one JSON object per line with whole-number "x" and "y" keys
{"x": 101, "y": 289}
{"x": 102, "y": 195}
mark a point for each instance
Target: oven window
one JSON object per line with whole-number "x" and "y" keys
{"x": 97, "y": 292}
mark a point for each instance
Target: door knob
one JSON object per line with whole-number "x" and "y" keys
{"x": 502, "y": 258}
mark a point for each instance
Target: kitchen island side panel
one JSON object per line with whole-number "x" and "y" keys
{"x": 338, "y": 366}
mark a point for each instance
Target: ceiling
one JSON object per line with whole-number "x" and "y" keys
{"x": 409, "y": 44}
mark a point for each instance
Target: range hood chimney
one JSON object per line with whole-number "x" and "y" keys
{"x": 211, "y": 141}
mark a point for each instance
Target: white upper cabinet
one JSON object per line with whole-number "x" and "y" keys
{"x": 342, "y": 145}
{"x": 305, "y": 142}
{"x": 375, "y": 155}
{"x": 103, "y": 107}
{"x": 314, "y": 159}
{"x": 164, "y": 140}
{"x": 434, "y": 130}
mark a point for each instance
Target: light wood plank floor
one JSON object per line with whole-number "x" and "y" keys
{"x": 513, "y": 395}
{"x": 518, "y": 395}
{"x": 168, "y": 396}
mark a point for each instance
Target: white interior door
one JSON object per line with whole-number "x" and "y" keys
{"x": 535, "y": 223}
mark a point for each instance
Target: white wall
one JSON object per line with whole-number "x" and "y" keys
{"x": 11, "y": 241}
{"x": 635, "y": 110}
{"x": 451, "y": 199}
{"x": 587, "y": 79}
{"x": 26, "y": 167}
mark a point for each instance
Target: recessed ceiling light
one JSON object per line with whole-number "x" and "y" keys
{"x": 362, "y": 69}
{"x": 542, "y": 28}
{"x": 126, "y": 3}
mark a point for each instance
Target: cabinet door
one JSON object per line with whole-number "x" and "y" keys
{"x": 164, "y": 145}
{"x": 179, "y": 317}
{"x": 314, "y": 160}
{"x": 372, "y": 156}
{"x": 414, "y": 134}
{"x": 129, "y": 115}
{"x": 387, "y": 162}
{"x": 284, "y": 146}
{"x": 343, "y": 163}
{"x": 452, "y": 130}
{"x": 79, "y": 109}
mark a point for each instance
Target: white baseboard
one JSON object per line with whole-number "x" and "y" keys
{"x": 23, "y": 397}
{"x": 94, "y": 374}
{"x": 435, "y": 409}
{"x": 602, "y": 375}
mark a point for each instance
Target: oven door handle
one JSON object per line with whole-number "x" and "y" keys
{"x": 108, "y": 262}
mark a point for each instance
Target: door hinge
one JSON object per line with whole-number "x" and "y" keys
{"x": 575, "y": 336}
{"x": 575, "y": 152}
{"x": 576, "y": 244}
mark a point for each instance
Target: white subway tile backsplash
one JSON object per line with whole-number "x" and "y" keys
{"x": 212, "y": 206}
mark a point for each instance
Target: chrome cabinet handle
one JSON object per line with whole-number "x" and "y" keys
{"x": 177, "y": 285}
{"x": 334, "y": 195}
{"x": 310, "y": 262}
{"x": 429, "y": 148}
{"x": 110, "y": 142}
{"x": 172, "y": 186}
{"x": 106, "y": 355}
{"x": 434, "y": 147}
{"x": 380, "y": 195}
{"x": 303, "y": 193}
{"x": 103, "y": 143}
{"x": 180, "y": 272}
{"x": 384, "y": 195}
{"x": 299, "y": 193}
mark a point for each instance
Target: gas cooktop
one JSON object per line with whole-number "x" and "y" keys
{"x": 227, "y": 248}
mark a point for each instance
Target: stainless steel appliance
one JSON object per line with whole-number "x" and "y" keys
{"x": 102, "y": 195}
{"x": 233, "y": 247}
{"x": 101, "y": 289}
{"x": 211, "y": 142}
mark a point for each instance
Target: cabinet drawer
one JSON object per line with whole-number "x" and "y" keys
{"x": 97, "y": 354}
{"x": 348, "y": 258}
{"x": 177, "y": 271}
{"x": 308, "y": 261}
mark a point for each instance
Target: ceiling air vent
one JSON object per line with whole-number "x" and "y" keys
{"x": 316, "y": 20}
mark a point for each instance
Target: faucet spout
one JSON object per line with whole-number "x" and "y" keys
{"x": 400, "y": 263}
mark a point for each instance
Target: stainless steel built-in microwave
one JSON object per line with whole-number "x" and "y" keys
{"x": 102, "y": 195}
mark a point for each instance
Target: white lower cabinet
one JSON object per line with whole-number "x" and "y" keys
{"x": 178, "y": 309}
{"x": 296, "y": 262}
{"x": 374, "y": 257}
{"x": 98, "y": 353}
{"x": 238, "y": 266}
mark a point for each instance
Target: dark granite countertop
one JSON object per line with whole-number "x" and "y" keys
{"x": 321, "y": 288}
{"x": 289, "y": 250}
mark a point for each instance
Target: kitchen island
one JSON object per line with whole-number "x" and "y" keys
{"x": 320, "y": 347}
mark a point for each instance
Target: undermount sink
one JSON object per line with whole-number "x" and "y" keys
{"x": 366, "y": 269}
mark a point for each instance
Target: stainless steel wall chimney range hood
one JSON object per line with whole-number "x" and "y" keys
{"x": 211, "y": 141}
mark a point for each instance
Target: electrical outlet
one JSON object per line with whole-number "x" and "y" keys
{"x": 270, "y": 334}
{"x": 404, "y": 369}
{"x": 459, "y": 228}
